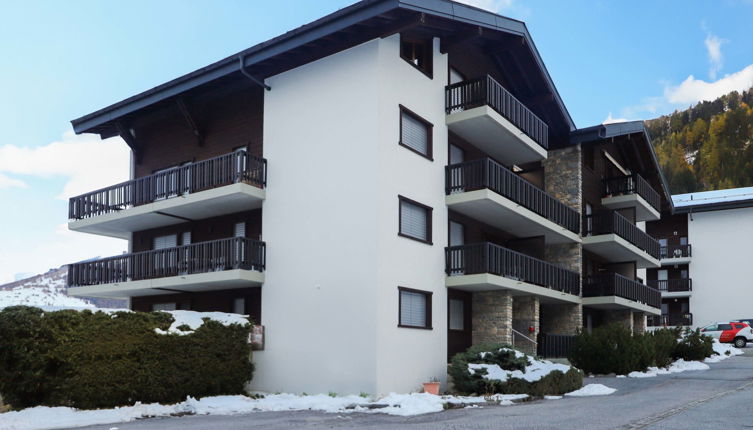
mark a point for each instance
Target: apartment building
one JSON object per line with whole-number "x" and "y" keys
{"x": 705, "y": 276}
{"x": 378, "y": 189}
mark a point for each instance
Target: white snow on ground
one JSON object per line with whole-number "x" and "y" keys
{"x": 43, "y": 418}
{"x": 41, "y": 296}
{"x": 552, "y": 397}
{"x": 723, "y": 350}
{"x": 194, "y": 320}
{"x": 536, "y": 370}
{"x": 592, "y": 390}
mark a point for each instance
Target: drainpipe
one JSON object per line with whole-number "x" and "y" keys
{"x": 250, "y": 76}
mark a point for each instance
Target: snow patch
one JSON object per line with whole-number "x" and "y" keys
{"x": 724, "y": 351}
{"x": 592, "y": 390}
{"x": 535, "y": 371}
{"x": 676, "y": 367}
{"x": 195, "y": 320}
{"x": 44, "y": 418}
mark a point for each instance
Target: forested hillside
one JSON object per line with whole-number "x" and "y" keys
{"x": 708, "y": 146}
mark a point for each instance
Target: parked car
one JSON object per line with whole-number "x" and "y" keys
{"x": 736, "y": 332}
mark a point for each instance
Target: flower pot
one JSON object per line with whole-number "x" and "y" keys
{"x": 431, "y": 388}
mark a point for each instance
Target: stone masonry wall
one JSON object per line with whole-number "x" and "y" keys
{"x": 565, "y": 318}
{"x": 492, "y": 317}
{"x": 639, "y": 322}
{"x": 525, "y": 314}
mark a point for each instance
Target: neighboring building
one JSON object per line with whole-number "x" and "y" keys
{"x": 379, "y": 189}
{"x": 705, "y": 273}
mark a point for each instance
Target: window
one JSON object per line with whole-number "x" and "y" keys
{"x": 415, "y": 308}
{"x": 456, "y": 314}
{"x": 683, "y": 274}
{"x": 712, "y": 327}
{"x": 239, "y": 306}
{"x": 457, "y": 155}
{"x": 415, "y": 133}
{"x": 164, "y": 306}
{"x": 417, "y": 52}
{"x": 457, "y": 234}
{"x": 683, "y": 241}
{"x": 415, "y": 220}
{"x": 165, "y": 259}
{"x": 663, "y": 248}
{"x": 455, "y": 76}
{"x": 589, "y": 219}
{"x": 724, "y": 327}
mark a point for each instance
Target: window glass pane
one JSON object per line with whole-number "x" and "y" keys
{"x": 457, "y": 234}
{"x": 413, "y": 220}
{"x": 164, "y": 306}
{"x": 661, "y": 275}
{"x": 239, "y": 306}
{"x": 456, "y": 314}
{"x": 456, "y": 155}
{"x": 415, "y": 134}
{"x": 413, "y": 309}
{"x": 711, "y": 327}
{"x": 725, "y": 326}
{"x": 683, "y": 241}
{"x": 162, "y": 242}
{"x": 240, "y": 229}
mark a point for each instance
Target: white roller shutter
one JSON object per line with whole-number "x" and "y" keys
{"x": 413, "y": 309}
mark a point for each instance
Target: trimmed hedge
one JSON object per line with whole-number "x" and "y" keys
{"x": 615, "y": 349}
{"x": 555, "y": 383}
{"x": 92, "y": 360}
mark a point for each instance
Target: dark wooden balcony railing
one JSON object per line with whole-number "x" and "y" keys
{"x": 672, "y": 285}
{"x": 202, "y": 257}
{"x": 612, "y": 222}
{"x": 493, "y": 259}
{"x": 613, "y": 284}
{"x": 632, "y": 184}
{"x": 670, "y": 320}
{"x": 554, "y": 345}
{"x": 487, "y": 173}
{"x": 238, "y": 166}
{"x": 486, "y": 91}
{"x": 675, "y": 251}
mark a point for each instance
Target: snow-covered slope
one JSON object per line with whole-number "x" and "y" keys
{"x": 48, "y": 290}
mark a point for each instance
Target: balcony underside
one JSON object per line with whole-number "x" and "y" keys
{"x": 615, "y": 249}
{"x": 674, "y": 261}
{"x": 495, "y": 135}
{"x": 619, "y": 303}
{"x": 211, "y": 281}
{"x": 643, "y": 210}
{"x": 495, "y": 210}
{"x": 175, "y": 210}
{"x": 489, "y": 282}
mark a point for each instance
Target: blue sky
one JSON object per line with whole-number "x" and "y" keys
{"x": 60, "y": 60}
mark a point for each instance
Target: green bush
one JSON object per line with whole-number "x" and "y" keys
{"x": 694, "y": 346}
{"x": 97, "y": 360}
{"x": 555, "y": 383}
{"x": 614, "y": 349}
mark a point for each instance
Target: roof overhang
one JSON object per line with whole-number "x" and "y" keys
{"x": 106, "y": 121}
{"x": 620, "y": 129}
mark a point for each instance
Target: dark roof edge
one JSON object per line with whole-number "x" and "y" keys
{"x": 333, "y": 22}
{"x": 717, "y": 206}
{"x": 605, "y": 131}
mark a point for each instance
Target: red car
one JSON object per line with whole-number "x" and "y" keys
{"x": 735, "y": 332}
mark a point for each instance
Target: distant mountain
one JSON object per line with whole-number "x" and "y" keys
{"x": 707, "y": 146}
{"x": 49, "y": 290}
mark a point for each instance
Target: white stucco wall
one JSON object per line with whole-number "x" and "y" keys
{"x": 721, "y": 267}
{"x": 330, "y": 221}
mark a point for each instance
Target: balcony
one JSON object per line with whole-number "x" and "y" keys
{"x": 673, "y": 287}
{"x": 487, "y": 191}
{"x": 484, "y": 113}
{"x": 214, "y": 265}
{"x": 229, "y": 183}
{"x": 611, "y": 236}
{"x": 675, "y": 254}
{"x": 632, "y": 191}
{"x": 614, "y": 291}
{"x": 487, "y": 266}
{"x": 670, "y": 320}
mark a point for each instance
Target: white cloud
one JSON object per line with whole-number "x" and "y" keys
{"x": 85, "y": 162}
{"x": 62, "y": 247}
{"x": 6, "y": 182}
{"x": 611, "y": 120}
{"x": 693, "y": 90}
{"x": 714, "y": 50}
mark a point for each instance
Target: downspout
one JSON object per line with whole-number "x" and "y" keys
{"x": 250, "y": 76}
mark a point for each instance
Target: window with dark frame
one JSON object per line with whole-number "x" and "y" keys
{"x": 416, "y": 133}
{"x": 414, "y": 220}
{"x": 414, "y": 308}
{"x": 418, "y": 53}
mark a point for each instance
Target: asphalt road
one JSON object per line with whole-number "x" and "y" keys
{"x": 719, "y": 398}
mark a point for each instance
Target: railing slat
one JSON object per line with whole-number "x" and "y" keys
{"x": 612, "y": 222}
{"x": 632, "y": 184}
{"x": 214, "y": 172}
{"x": 202, "y": 257}
{"x": 613, "y": 284}
{"x": 487, "y": 173}
{"x": 487, "y": 91}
